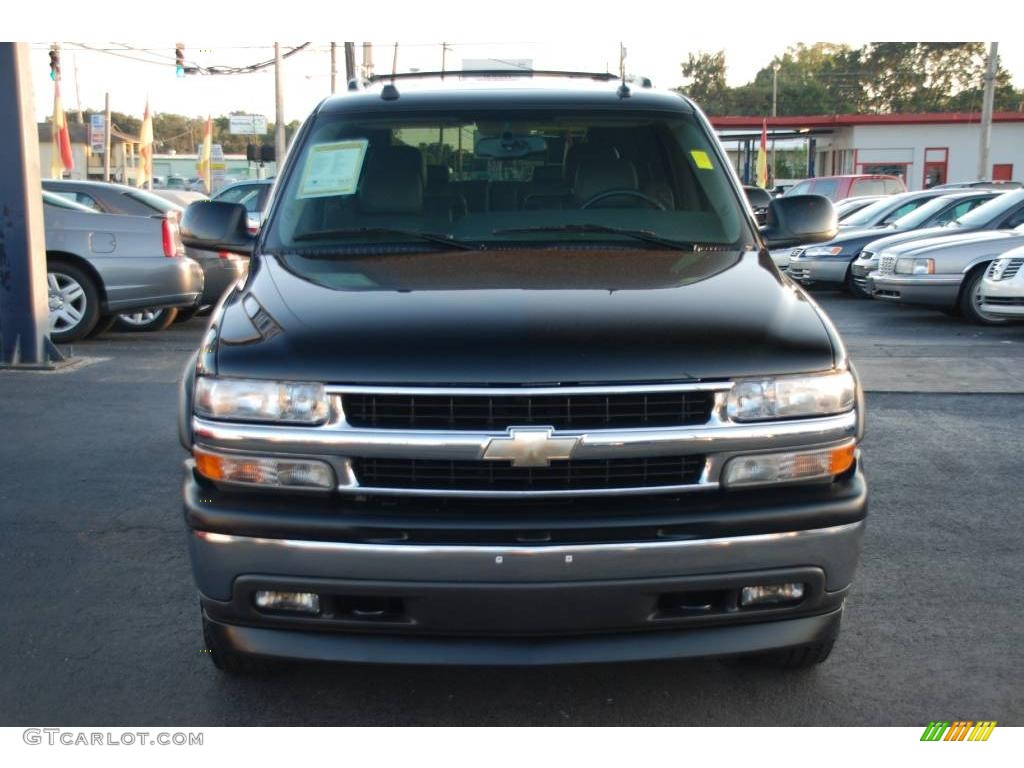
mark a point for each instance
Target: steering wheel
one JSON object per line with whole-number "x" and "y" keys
{"x": 623, "y": 192}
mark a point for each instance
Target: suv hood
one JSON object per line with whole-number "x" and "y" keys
{"x": 544, "y": 316}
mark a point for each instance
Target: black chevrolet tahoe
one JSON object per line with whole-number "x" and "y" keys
{"x": 513, "y": 380}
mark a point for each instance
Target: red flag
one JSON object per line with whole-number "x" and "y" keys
{"x": 61, "y": 158}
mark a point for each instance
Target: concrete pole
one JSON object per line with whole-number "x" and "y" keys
{"x": 24, "y": 300}
{"x": 106, "y": 137}
{"x": 279, "y": 142}
{"x": 775, "y": 110}
{"x": 986, "y": 113}
{"x": 367, "y": 60}
{"x": 334, "y": 68}
{"x": 350, "y": 62}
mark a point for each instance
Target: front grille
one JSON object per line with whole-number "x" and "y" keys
{"x": 1010, "y": 268}
{"x": 796, "y": 253}
{"x": 887, "y": 265}
{"x": 1003, "y": 301}
{"x": 498, "y": 412}
{"x": 568, "y": 475}
{"x": 798, "y": 273}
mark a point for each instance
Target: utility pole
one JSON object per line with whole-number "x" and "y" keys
{"x": 350, "y": 62}
{"x": 24, "y": 306}
{"x": 279, "y": 143}
{"x": 106, "y": 137}
{"x": 367, "y": 60}
{"x": 986, "y": 112}
{"x": 334, "y": 68}
{"x": 444, "y": 57}
{"x": 78, "y": 95}
{"x": 775, "y": 108}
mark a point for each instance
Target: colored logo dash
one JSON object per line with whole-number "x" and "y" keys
{"x": 959, "y": 730}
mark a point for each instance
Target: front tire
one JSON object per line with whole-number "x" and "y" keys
{"x": 74, "y": 302}
{"x": 147, "y": 320}
{"x": 970, "y": 299}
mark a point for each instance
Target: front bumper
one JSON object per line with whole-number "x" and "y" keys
{"x": 933, "y": 291}
{"x": 1003, "y": 298}
{"x": 506, "y": 601}
{"x": 820, "y": 271}
{"x": 859, "y": 271}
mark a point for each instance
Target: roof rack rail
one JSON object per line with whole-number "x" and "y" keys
{"x": 603, "y": 76}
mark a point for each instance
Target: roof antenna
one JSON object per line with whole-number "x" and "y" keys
{"x": 623, "y": 90}
{"x": 389, "y": 92}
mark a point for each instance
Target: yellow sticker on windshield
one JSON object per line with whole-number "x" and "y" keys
{"x": 700, "y": 157}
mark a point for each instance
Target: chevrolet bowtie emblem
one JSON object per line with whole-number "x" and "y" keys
{"x": 526, "y": 447}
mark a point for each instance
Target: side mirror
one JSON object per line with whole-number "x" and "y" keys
{"x": 215, "y": 226}
{"x": 799, "y": 220}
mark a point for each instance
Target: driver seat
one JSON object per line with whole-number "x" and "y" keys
{"x": 597, "y": 175}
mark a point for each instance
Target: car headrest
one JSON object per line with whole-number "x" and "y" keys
{"x": 392, "y": 181}
{"x": 437, "y": 175}
{"x": 547, "y": 174}
{"x": 579, "y": 153}
{"x": 596, "y": 176}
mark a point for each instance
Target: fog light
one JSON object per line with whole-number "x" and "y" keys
{"x": 759, "y": 469}
{"x": 299, "y": 602}
{"x": 771, "y": 594}
{"x": 268, "y": 471}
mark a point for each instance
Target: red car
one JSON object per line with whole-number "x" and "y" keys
{"x": 841, "y": 187}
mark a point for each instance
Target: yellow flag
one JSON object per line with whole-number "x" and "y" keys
{"x": 762, "y": 157}
{"x": 145, "y": 170}
{"x": 205, "y": 169}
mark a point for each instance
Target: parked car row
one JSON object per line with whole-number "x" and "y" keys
{"x": 958, "y": 248}
{"x": 115, "y": 260}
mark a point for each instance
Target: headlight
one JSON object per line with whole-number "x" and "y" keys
{"x": 255, "y": 400}
{"x": 915, "y": 266}
{"x": 790, "y": 396}
{"x": 824, "y": 250}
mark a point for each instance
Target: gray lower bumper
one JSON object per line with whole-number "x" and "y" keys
{"x": 826, "y": 271}
{"x": 635, "y": 646}
{"x": 933, "y": 292}
{"x": 217, "y": 559}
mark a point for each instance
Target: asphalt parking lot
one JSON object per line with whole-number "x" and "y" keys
{"x": 101, "y": 625}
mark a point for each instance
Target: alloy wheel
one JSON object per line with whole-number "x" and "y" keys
{"x": 67, "y": 301}
{"x": 140, "y": 318}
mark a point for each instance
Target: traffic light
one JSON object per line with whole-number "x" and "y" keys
{"x": 55, "y": 62}
{"x": 179, "y": 59}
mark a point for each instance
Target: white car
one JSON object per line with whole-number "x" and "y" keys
{"x": 1002, "y": 288}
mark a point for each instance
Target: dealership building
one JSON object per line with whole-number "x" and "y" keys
{"x": 924, "y": 149}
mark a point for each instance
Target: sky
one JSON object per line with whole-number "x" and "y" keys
{"x": 307, "y": 74}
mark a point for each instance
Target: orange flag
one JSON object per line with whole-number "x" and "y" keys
{"x": 61, "y": 158}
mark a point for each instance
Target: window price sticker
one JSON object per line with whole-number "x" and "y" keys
{"x": 333, "y": 169}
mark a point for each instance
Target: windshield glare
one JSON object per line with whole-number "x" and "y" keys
{"x": 371, "y": 180}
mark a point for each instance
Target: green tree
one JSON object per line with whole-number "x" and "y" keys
{"x": 706, "y": 73}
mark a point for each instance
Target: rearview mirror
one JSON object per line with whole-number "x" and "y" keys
{"x": 799, "y": 220}
{"x": 509, "y": 146}
{"x": 215, "y": 226}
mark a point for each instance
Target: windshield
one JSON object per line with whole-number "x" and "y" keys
{"x": 937, "y": 206}
{"x": 873, "y": 213}
{"x": 983, "y": 215}
{"x": 515, "y": 177}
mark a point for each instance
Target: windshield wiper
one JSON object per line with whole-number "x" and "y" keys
{"x": 431, "y": 237}
{"x": 645, "y": 235}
